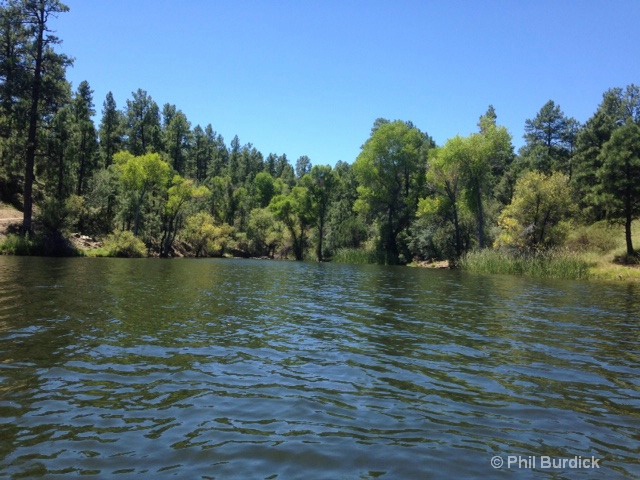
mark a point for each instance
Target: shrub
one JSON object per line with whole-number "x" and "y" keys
{"x": 205, "y": 237}
{"x": 21, "y": 245}
{"x": 124, "y": 244}
{"x": 49, "y": 244}
{"x": 598, "y": 237}
{"x": 536, "y": 217}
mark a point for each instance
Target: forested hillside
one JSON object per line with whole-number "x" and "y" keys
{"x": 149, "y": 182}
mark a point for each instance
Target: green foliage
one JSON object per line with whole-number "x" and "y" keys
{"x": 344, "y": 228}
{"x": 358, "y": 256}
{"x": 550, "y": 264}
{"x": 111, "y": 130}
{"x": 48, "y": 244}
{"x": 182, "y": 194}
{"x": 143, "y": 124}
{"x": 294, "y": 211}
{"x": 391, "y": 173}
{"x": 124, "y": 244}
{"x": 264, "y": 233}
{"x": 205, "y": 237}
{"x": 139, "y": 178}
{"x": 177, "y": 138}
{"x": 620, "y": 178}
{"x": 432, "y": 237}
{"x": 265, "y": 188}
{"x": 627, "y": 259}
{"x": 599, "y": 237}
{"x": 320, "y": 183}
{"x": 536, "y": 218}
{"x": 551, "y": 138}
{"x": 21, "y": 245}
{"x": 53, "y": 215}
{"x": 101, "y": 202}
{"x": 445, "y": 177}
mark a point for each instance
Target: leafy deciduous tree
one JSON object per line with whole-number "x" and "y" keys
{"x": 536, "y": 217}
{"x": 139, "y": 176}
{"x": 181, "y": 192}
{"x": 391, "y": 173}
{"x": 294, "y": 211}
{"x": 320, "y": 182}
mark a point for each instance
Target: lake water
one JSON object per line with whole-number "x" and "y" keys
{"x": 256, "y": 369}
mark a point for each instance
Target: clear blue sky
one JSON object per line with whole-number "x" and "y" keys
{"x": 307, "y": 77}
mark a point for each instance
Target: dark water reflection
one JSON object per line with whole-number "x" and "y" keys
{"x": 248, "y": 369}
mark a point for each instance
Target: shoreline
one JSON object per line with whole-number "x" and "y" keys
{"x": 585, "y": 265}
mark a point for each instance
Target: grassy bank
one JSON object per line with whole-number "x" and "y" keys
{"x": 595, "y": 252}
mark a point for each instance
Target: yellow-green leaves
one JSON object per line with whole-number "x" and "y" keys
{"x": 536, "y": 216}
{"x": 141, "y": 173}
{"x": 205, "y": 236}
{"x": 183, "y": 191}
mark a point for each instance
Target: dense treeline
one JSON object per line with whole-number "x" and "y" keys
{"x": 179, "y": 188}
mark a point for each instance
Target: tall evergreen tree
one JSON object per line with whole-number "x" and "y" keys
{"x": 550, "y": 137}
{"x": 177, "y": 138}
{"x": 303, "y": 166}
{"x": 111, "y": 130}
{"x": 620, "y": 177}
{"x": 85, "y": 138}
{"x": 234, "y": 161}
{"x": 618, "y": 106}
{"x": 57, "y": 169}
{"x": 199, "y": 155}
{"x": 143, "y": 124}
{"x": 15, "y": 74}
{"x": 36, "y": 14}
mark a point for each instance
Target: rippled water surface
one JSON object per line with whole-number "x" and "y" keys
{"x": 250, "y": 369}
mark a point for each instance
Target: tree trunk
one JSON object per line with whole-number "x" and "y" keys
{"x": 480, "y": 218}
{"x": 298, "y": 248}
{"x": 320, "y": 235}
{"x": 32, "y": 140}
{"x": 456, "y": 226}
{"x": 627, "y": 223}
{"x": 61, "y": 175}
{"x": 83, "y": 162}
{"x": 391, "y": 246}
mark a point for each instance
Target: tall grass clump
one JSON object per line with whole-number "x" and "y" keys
{"x": 357, "y": 256}
{"x": 550, "y": 264}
